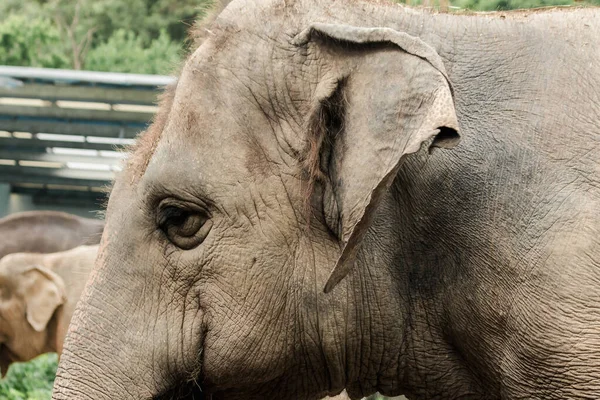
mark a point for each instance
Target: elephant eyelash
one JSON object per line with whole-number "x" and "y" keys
{"x": 173, "y": 215}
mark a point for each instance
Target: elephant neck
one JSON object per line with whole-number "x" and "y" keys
{"x": 394, "y": 319}
{"x": 377, "y": 317}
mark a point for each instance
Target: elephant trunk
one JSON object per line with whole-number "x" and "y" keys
{"x": 98, "y": 369}
{"x": 128, "y": 339}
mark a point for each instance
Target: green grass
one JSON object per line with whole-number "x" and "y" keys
{"x": 31, "y": 380}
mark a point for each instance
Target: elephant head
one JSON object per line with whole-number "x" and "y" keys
{"x": 29, "y": 297}
{"x": 250, "y": 194}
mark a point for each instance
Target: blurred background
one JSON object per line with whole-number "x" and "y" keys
{"x": 60, "y": 131}
{"x": 78, "y": 81}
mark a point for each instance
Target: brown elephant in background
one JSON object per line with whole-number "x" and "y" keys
{"x": 39, "y": 232}
{"x": 38, "y": 294}
{"x": 47, "y": 232}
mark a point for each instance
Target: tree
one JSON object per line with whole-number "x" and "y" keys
{"x": 75, "y": 23}
{"x": 31, "y": 42}
{"x": 125, "y": 52}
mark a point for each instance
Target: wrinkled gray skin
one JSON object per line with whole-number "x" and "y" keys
{"x": 46, "y": 232}
{"x": 476, "y": 275}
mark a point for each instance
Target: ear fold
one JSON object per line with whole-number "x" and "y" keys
{"x": 44, "y": 293}
{"x": 386, "y": 94}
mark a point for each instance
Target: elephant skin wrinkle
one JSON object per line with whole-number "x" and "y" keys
{"x": 435, "y": 174}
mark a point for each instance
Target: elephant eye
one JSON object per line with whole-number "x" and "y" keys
{"x": 186, "y": 226}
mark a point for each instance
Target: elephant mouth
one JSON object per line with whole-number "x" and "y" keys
{"x": 8, "y": 355}
{"x": 6, "y": 358}
{"x": 188, "y": 391}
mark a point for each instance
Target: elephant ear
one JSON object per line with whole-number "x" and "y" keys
{"x": 44, "y": 293}
{"x": 383, "y": 95}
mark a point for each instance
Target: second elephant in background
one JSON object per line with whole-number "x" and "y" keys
{"x": 38, "y": 294}
{"x": 47, "y": 232}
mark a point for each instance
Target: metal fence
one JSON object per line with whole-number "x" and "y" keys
{"x": 59, "y": 129}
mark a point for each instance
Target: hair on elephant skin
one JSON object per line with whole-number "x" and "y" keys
{"x": 357, "y": 195}
{"x": 38, "y": 294}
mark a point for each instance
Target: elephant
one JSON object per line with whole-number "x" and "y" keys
{"x": 47, "y": 232}
{"x": 356, "y": 194}
{"x": 38, "y": 296}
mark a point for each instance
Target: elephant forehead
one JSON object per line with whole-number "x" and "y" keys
{"x": 16, "y": 263}
{"x": 241, "y": 78}
{"x": 221, "y": 133}
{"x": 210, "y": 163}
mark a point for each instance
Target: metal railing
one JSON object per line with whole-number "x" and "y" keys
{"x": 59, "y": 129}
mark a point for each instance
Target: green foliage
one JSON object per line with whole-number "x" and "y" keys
{"x": 125, "y": 52}
{"x": 35, "y": 43}
{"x": 498, "y": 5}
{"x": 176, "y": 16}
{"x": 139, "y": 36}
{"x": 493, "y": 5}
{"x": 28, "y": 8}
{"x": 30, "y": 381}
{"x": 145, "y": 18}
{"x": 107, "y": 17}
